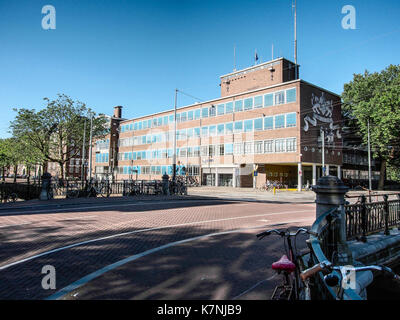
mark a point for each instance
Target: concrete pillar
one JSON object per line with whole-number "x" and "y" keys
{"x": 299, "y": 177}
{"x": 327, "y": 170}
{"x": 216, "y": 177}
{"x": 234, "y": 177}
{"x": 254, "y": 177}
{"x": 314, "y": 174}
{"x": 339, "y": 172}
{"x": 45, "y": 194}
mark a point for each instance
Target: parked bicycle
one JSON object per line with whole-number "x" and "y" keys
{"x": 290, "y": 266}
{"x": 94, "y": 188}
{"x": 335, "y": 279}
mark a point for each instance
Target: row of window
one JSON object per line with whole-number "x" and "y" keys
{"x": 251, "y": 125}
{"x": 102, "y": 157}
{"x": 102, "y": 144}
{"x": 267, "y": 100}
{"x": 191, "y": 170}
{"x": 256, "y": 147}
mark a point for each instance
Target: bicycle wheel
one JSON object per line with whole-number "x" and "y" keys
{"x": 73, "y": 194}
{"x": 12, "y": 198}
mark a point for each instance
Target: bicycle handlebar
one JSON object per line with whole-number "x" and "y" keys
{"x": 284, "y": 234}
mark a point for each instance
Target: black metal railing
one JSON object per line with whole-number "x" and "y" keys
{"x": 323, "y": 247}
{"x": 24, "y": 191}
{"x": 364, "y": 218}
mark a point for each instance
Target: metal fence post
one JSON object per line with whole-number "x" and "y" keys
{"x": 386, "y": 214}
{"x": 363, "y": 218}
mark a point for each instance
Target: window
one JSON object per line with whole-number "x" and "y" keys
{"x": 204, "y": 113}
{"x": 291, "y": 145}
{"x": 229, "y": 127}
{"x": 291, "y": 120}
{"x": 220, "y": 129}
{"x": 248, "y": 104}
{"x": 182, "y": 152}
{"x": 280, "y": 121}
{"x": 178, "y": 117}
{"x": 197, "y": 132}
{"x": 248, "y": 125}
{"x": 248, "y": 147}
{"x": 258, "y": 102}
{"x": 279, "y": 97}
{"x": 135, "y": 126}
{"x": 190, "y": 133}
{"x": 196, "y": 151}
{"x": 291, "y": 95}
{"x": 165, "y": 120}
{"x": 159, "y": 121}
{"x": 268, "y": 146}
{"x": 258, "y": 124}
{"x": 238, "y": 105}
{"x": 149, "y": 122}
{"x": 221, "y": 150}
{"x": 229, "y": 107}
{"x": 268, "y": 123}
{"x": 238, "y": 148}
{"x": 204, "y": 131}
{"x": 183, "y": 117}
{"x": 140, "y": 125}
{"x": 190, "y": 115}
{"x": 212, "y": 131}
{"x": 213, "y": 111}
{"x": 221, "y": 109}
{"x": 269, "y": 100}
{"x": 197, "y": 114}
{"x": 211, "y": 150}
{"x": 258, "y": 147}
{"x": 280, "y": 145}
{"x": 204, "y": 151}
{"x": 145, "y": 124}
{"x": 238, "y": 126}
{"x": 228, "y": 148}
{"x": 171, "y": 118}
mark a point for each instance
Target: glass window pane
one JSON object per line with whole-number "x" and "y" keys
{"x": 212, "y": 130}
{"x": 165, "y": 120}
{"x": 258, "y": 102}
{"x": 204, "y": 131}
{"x": 269, "y": 100}
{"x": 213, "y": 111}
{"x": 229, "y": 127}
{"x": 197, "y": 114}
{"x": 190, "y": 115}
{"x": 221, "y": 109}
{"x": 248, "y": 103}
{"x": 258, "y": 124}
{"x": 229, "y": 107}
{"x": 291, "y": 95}
{"x": 279, "y": 97}
{"x": 228, "y": 148}
{"x": 248, "y": 125}
{"x": 279, "y": 121}
{"x": 204, "y": 113}
{"x": 238, "y": 105}
{"x": 238, "y": 126}
{"x": 268, "y": 123}
{"x": 291, "y": 120}
{"x": 221, "y": 128}
{"x": 183, "y": 116}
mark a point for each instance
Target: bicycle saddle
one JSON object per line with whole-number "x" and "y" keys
{"x": 284, "y": 264}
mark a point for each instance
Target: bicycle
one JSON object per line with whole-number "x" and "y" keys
{"x": 333, "y": 280}
{"x": 290, "y": 265}
{"x": 93, "y": 189}
{"x": 11, "y": 197}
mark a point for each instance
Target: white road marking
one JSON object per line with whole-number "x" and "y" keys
{"x": 139, "y": 231}
{"x": 263, "y": 220}
{"x": 14, "y": 225}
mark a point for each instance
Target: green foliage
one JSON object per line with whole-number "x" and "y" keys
{"x": 55, "y": 133}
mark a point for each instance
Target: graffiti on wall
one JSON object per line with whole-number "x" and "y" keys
{"x": 322, "y": 112}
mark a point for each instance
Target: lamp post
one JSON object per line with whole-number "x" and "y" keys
{"x": 90, "y": 146}
{"x": 174, "y": 155}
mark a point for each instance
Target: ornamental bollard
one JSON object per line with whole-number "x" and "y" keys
{"x": 165, "y": 184}
{"x": 46, "y": 184}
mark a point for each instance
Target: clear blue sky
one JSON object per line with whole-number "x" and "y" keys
{"x": 135, "y": 53}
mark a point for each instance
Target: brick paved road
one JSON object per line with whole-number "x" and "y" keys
{"x": 85, "y": 238}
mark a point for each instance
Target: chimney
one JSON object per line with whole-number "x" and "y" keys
{"x": 118, "y": 112}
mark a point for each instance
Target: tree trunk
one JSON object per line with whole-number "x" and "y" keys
{"x": 15, "y": 173}
{"x": 382, "y": 175}
{"x": 4, "y": 173}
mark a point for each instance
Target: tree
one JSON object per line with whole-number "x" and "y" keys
{"x": 56, "y": 132}
{"x": 375, "y": 98}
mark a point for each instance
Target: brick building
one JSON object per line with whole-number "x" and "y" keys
{"x": 266, "y": 125}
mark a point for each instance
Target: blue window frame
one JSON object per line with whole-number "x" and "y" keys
{"x": 196, "y": 132}
{"x": 248, "y": 104}
{"x": 228, "y": 148}
{"x": 258, "y": 124}
{"x": 204, "y": 112}
{"x": 269, "y": 100}
{"x": 197, "y": 114}
{"x": 190, "y": 115}
{"x": 159, "y": 121}
{"x": 248, "y": 125}
{"x": 140, "y": 125}
{"x": 183, "y": 116}
{"x": 290, "y": 120}
{"x": 258, "y": 102}
{"x": 229, "y": 107}
{"x": 238, "y": 105}
{"x": 165, "y": 120}
{"x": 221, "y": 109}
{"x": 291, "y": 95}
{"x": 268, "y": 123}
{"x": 171, "y": 118}
{"x": 149, "y": 123}
{"x": 145, "y": 123}
{"x": 280, "y": 121}
{"x": 204, "y": 131}
{"x": 213, "y": 111}
{"x": 135, "y": 126}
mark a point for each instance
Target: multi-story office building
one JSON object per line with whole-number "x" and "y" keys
{"x": 267, "y": 125}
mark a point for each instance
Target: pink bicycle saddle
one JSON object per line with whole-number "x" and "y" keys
{"x": 284, "y": 264}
